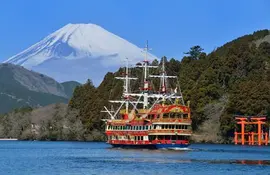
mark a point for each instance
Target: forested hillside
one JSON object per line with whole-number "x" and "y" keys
{"x": 233, "y": 79}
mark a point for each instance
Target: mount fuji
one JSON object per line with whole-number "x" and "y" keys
{"x": 78, "y": 52}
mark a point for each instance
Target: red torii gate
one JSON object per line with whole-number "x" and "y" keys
{"x": 262, "y": 137}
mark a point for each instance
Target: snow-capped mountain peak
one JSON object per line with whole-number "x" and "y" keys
{"x": 84, "y": 45}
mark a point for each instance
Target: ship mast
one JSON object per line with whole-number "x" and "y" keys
{"x": 146, "y": 67}
{"x": 127, "y": 84}
{"x": 163, "y": 86}
{"x": 162, "y": 96}
{"x": 146, "y": 83}
{"x": 126, "y": 95}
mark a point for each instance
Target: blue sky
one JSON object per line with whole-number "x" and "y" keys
{"x": 171, "y": 26}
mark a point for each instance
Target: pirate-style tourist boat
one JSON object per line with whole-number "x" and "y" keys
{"x": 149, "y": 119}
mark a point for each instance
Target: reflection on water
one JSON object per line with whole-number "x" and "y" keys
{"x": 156, "y": 155}
{"x": 253, "y": 162}
{"x": 66, "y": 158}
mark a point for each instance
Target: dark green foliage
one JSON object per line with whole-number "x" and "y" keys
{"x": 239, "y": 70}
{"x": 90, "y": 101}
{"x": 195, "y": 52}
{"x": 69, "y": 87}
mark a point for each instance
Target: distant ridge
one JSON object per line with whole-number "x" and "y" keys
{"x": 20, "y": 87}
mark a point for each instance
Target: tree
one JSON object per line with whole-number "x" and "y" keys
{"x": 195, "y": 52}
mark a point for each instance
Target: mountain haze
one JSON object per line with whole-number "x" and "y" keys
{"x": 78, "y": 52}
{"x": 20, "y": 87}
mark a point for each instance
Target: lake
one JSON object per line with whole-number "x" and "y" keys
{"x": 34, "y": 157}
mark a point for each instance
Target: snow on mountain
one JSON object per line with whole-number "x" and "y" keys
{"x": 78, "y": 52}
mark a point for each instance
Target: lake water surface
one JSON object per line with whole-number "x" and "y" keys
{"x": 27, "y": 158}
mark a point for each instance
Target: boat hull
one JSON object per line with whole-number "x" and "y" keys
{"x": 171, "y": 146}
{"x": 152, "y": 146}
{"x": 144, "y": 146}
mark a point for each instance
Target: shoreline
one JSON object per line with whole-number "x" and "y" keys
{"x": 8, "y": 139}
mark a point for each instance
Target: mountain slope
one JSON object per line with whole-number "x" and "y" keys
{"x": 21, "y": 87}
{"x": 69, "y": 87}
{"x": 85, "y": 49}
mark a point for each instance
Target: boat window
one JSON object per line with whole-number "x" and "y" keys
{"x": 151, "y": 116}
{"x": 172, "y": 115}
{"x": 161, "y": 137}
{"x": 162, "y": 126}
{"x": 185, "y": 116}
{"x": 170, "y": 126}
{"x": 166, "y": 126}
{"x": 165, "y": 115}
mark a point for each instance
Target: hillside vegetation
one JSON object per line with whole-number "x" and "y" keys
{"x": 233, "y": 79}
{"x": 52, "y": 122}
